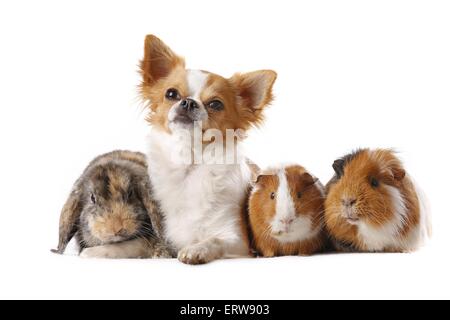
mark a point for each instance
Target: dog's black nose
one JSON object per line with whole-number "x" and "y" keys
{"x": 189, "y": 104}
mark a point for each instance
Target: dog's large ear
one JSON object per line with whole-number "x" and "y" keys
{"x": 159, "y": 60}
{"x": 254, "y": 92}
{"x": 69, "y": 219}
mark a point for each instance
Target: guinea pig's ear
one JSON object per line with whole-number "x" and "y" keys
{"x": 261, "y": 177}
{"x": 397, "y": 173}
{"x": 254, "y": 92}
{"x": 338, "y": 167}
{"x": 69, "y": 219}
{"x": 308, "y": 179}
{"x": 159, "y": 60}
{"x": 254, "y": 170}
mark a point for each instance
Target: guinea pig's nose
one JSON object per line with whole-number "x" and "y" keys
{"x": 349, "y": 202}
{"x": 188, "y": 104}
{"x": 287, "y": 221}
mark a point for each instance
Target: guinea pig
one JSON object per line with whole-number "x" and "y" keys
{"x": 372, "y": 204}
{"x": 110, "y": 210}
{"x": 286, "y": 212}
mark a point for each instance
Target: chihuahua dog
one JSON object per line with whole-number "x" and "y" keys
{"x": 202, "y": 201}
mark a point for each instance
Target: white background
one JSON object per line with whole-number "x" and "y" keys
{"x": 351, "y": 74}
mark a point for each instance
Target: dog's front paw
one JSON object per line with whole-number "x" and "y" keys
{"x": 196, "y": 254}
{"x": 101, "y": 252}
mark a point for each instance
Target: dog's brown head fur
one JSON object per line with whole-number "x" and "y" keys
{"x": 220, "y": 103}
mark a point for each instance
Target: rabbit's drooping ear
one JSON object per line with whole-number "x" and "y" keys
{"x": 69, "y": 220}
{"x": 151, "y": 207}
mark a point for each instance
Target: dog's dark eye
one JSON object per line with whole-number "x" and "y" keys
{"x": 374, "y": 182}
{"x": 93, "y": 198}
{"x": 272, "y": 195}
{"x": 173, "y": 94}
{"x": 216, "y": 105}
{"x": 299, "y": 195}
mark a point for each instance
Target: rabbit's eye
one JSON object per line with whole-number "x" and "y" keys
{"x": 93, "y": 198}
{"x": 130, "y": 194}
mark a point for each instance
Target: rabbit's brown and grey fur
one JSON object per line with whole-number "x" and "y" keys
{"x": 111, "y": 211}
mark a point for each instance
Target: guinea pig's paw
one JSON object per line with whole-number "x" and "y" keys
{"x": 397, "y": 250}
{"x": 101, "y": 252}
{"x": 268, "y": 253}
{"x": 195, "y": 254}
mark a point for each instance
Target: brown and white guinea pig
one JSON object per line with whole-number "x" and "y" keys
{"x": 111, "y": 203}
{"x": 372, "y": 204}
{"x": 286, "y": 212}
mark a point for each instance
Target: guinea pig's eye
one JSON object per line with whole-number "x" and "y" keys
{"x": 173, "y": 94}
{"x": 299, "y": 195}
{"x": 374, "y": 182}
{"x": 93, "y": 198}
{"x": 272, "y": 195}
{"x": 216, "y": 105}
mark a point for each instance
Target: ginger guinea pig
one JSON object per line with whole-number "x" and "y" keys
{"x": 286, "y": 212}
{"x": 372, "y": 204}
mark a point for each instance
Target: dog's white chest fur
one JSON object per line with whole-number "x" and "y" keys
{"x": 199, "y": 202}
